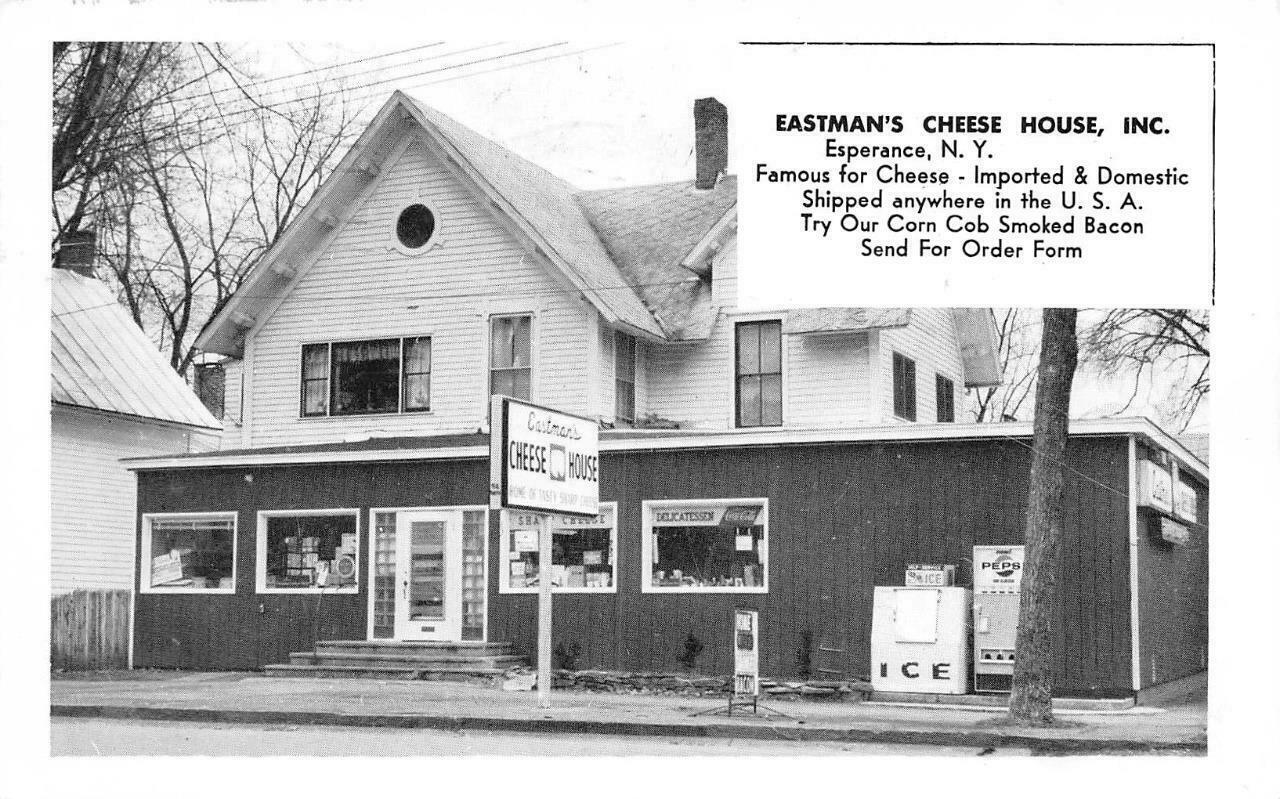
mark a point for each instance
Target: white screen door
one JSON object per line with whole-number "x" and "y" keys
{"x": 429, "y": 576}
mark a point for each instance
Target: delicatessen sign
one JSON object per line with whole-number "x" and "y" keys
{"x": 543, "y": 460}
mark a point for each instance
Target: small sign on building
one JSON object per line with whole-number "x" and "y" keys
{"x": 1186, "y": 503}
{"x": 930, "y": 574}
{"x": 997, "y": 570}
{"x": 1173, "y": 532}
{"x": 1155, "y": 486}
{"x": 746, "y": 653}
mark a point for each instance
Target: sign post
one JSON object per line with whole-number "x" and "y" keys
{"x": 543, "y": 461}
{"x": 544, "y": 610}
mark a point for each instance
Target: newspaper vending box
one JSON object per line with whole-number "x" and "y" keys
{"x": 997, "y": 587}
{"x": 920, "y": 640}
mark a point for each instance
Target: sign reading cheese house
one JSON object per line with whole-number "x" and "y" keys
{"x": 543, "y": 460}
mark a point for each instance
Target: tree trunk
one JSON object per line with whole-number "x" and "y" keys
{"x": 1030, "y": 701}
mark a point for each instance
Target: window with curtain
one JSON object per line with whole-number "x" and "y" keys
{"x": 759, "y": 373}
{"x": 510, "y": 356}
{"x": 624, "y": 377}
{"x": 415, "y": 379}
{"x": 357, "y": 377}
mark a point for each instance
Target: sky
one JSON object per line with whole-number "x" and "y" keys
{"x": 617, "y": 113}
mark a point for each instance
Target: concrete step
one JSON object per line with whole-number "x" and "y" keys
{"x": 406, "y": 660}
{"x": 460, "y": 648}
{"x": 482, "y": 675}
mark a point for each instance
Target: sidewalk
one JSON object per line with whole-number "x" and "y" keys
{"x": 252, "y": 698}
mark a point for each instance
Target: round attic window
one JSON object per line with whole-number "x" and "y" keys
{"x": 415, "y": 226}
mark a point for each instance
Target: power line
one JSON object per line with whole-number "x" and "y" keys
{"x": 278, "y": 78}
{"x": 180, "y": 127}
{"x": 104, "y": 207}
{"x": 245, "y": 102}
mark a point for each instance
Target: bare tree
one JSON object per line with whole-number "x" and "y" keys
{"x": 192, "y": 190}
{"x": 1031, "y": 699}
{"x": 1018, "y": 350}
{"x": 1137, "y": 342}
{"x": 103, "y": 93}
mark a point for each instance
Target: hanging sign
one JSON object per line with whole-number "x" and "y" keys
{"x": 543, "y": 460}
{"x": 997, "y": 570}
{"x": 1155, "y": 486}
{"x": 1186, "y": 503}
{"x": 1173, "y": 532}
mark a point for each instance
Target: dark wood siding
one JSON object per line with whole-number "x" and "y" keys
{"x": 1173, "y": 597}
{"x": 842, "y": 519}
{"x": 248, "y": 630}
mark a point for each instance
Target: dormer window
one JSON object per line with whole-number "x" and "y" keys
{"x": 414, "y": 227}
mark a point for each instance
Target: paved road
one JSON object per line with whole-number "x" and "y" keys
{"x": 112, "y": 737}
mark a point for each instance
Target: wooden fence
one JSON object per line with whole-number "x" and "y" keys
{"x": 90, "y": 630}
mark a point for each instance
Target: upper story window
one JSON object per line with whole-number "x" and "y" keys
{"x": 758, "y": 365}
{"x": 511, "y": 356}
{"x": 415, "y": 227}
{"x": 904, "y": 387}
{"x": 624, "y": 377}
{"x": 946, "y": 399}
{"x": 356, "y": 377}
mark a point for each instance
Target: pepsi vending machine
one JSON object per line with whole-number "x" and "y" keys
{"x": 997, "y": 588}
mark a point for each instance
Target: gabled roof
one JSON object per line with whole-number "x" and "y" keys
{"x": 650, "y": 231}
{"x": 542, "y": 207}
{"x": 103, "y": 361}
{"x": 546, "y": 203}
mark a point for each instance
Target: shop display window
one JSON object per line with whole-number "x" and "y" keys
{"x": 188, "y": 552}
{"x": 583, "y": 553}
{"x": 308, "y": 551}
{"x": 710, "y": 546}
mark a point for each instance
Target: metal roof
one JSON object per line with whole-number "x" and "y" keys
{"x": 103, "y": 361}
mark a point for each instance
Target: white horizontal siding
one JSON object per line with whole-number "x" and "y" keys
{"x": 724, "y": 275}
{"x": 362, "y": 287}
{"x": 606, "y": 391}
{"x": 692, "y": 383}
{"x": 94, "y": 497}
{"x": 827, "y": 382}
{"x": 232, "y": 402}
{"x": 930, "y": 340}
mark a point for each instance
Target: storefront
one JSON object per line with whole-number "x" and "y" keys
{"x": 247, "y": 556}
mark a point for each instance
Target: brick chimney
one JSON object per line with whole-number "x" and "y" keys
{"x": 711, "y": 140}
{"x": 76, "y": 251}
